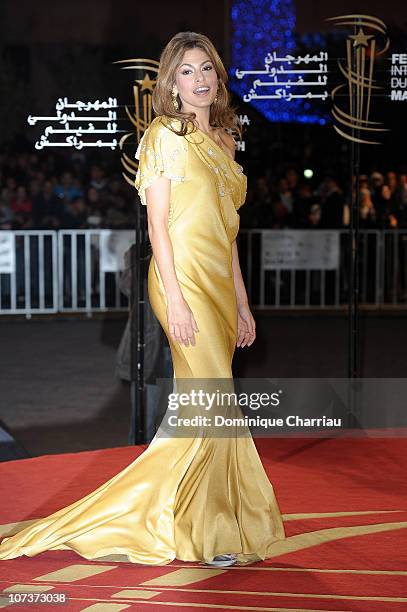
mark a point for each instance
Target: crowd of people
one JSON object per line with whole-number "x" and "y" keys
{"x": 291, "y": 201}
{"x": 52, "y": 191}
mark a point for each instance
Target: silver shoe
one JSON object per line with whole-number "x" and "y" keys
{"x": 222, "y": 560}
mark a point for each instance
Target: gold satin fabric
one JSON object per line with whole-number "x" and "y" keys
{"x": 195, "y": 497}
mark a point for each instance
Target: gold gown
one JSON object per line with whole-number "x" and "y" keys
{"x": 188, "y": 498}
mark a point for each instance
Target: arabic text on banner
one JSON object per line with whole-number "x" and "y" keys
{"x": 300, "y": 250}
{"x": 7, "y": 253}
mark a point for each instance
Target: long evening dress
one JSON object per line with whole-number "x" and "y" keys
{"x": 189, "y": 498}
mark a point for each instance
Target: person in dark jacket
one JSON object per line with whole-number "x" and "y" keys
{"x": 333, "y": 204}
{"x": 157, "y": 355}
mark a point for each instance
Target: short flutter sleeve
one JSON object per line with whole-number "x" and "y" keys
{"x": 161, "y": 152}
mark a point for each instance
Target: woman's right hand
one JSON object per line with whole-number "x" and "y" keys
{"x": 181, "y": 322}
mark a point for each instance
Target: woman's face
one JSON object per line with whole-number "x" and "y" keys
{"x": 386, "y": 192}
{"x": 93, "y": 195}
{"x": 365, "y": 199}
{"x": 196, "y": 71}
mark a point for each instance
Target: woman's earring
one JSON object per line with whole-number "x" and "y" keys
{"x": 174, "y": 94}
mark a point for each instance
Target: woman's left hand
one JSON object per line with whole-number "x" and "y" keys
{"x": 246, "y": 326}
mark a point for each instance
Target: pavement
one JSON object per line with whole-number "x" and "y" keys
{"x": 59, "y": 393}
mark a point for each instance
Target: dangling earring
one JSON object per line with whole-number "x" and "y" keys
{"x": 174, "y": 94}
{"x": 216, "y": 96}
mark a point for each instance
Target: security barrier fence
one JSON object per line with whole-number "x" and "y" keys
{"x": 46, "y": 271}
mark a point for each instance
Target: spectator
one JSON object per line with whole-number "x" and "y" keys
{"x": 76, "y": 214}
{"x": 384, "y": 202}
{"x": 400, "y": 202}
{"x": 363, "y": 181}
{"x": 66, "y": 189}
{"x": 48, "y": 210}
{"x": 314, "y": 216}
{"x": 292, "y": 178}
{"x": 21, "y": 207}
{"x": 280, "y": 215}
{"x": 332, "y": 204}
{"x": 262, "y": 199}
{"x": 11, "y": 186}
{"x": 376, "y": 179}
{"x": 391, "y": 181}
{"x": 285, "y": 194}
{"x": 367, "y": 211}
{"x": 97, "y": 178}
{"x": 6, "y": 216}
{"x": 304, "y": 200}
{"x": 376, "y": 184}
{"x": 21, "y": 203}
{"x": 95, "y": 206}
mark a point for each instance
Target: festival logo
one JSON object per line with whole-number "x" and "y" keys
{"x": 142, "y": 114}
{"x": 361, "y": 52}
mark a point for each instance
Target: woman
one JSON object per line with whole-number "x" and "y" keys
{"x": 194, "y": 498}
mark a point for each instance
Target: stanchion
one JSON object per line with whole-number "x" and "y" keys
{"x": 137, "y": 341}
{"x": 353, "y": 298}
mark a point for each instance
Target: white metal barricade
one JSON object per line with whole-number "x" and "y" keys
{"x": 84, "y": 284}
{"x": 318, "y": 288}
{"x": 31, "y": 284}
{"x": 63, "y": 271}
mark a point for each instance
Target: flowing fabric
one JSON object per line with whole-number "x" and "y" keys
{"x": 197, "y": 496}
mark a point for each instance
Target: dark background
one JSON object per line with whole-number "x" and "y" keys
{"x": 67, "y": 48}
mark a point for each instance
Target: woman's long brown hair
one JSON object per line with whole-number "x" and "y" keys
{"x": 221, "y": 113}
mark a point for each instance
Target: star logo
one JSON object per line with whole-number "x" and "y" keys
{"x": 146, "y": 83}
{"x": 360, "y": 39}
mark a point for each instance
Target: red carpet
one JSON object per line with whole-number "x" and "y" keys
{"x": 344, "y": 503}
